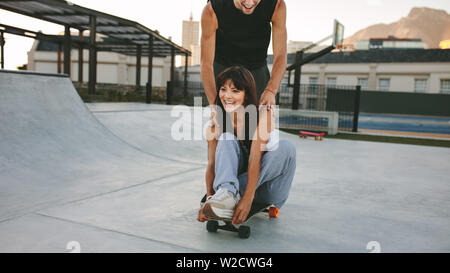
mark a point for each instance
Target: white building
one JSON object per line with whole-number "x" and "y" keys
{"x": 294, "y": 46}
{"x": 390, "y": 42}
{"x": 190, "y": 40}
{"x": 196, "y": 54}
{"x": 112, "y": 67}
{"x": 408, "y": 70}
{"x": 402, "y": 70}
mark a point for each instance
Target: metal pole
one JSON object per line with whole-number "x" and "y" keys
{"x": 172, "y": 64}
{"x": 92, "y": 56}
{"x": 67, "y": 49}
{"x": 317, "y": 55}
{"x": 138, "y": 67}
{"x": 298, "y": 69}
{"x": 59, "y": 58}
{"x": 171, "y": 83}
{"x": 185, "y": 78}
{"x": 2, "y": 44}
{"x": 80, "y": 56}
{"x": 311, "y": 57}
{"x": 169, "y": 93}
{"x": 150, "y": 70}
{"x": 356, "y": 108}
{"x": 277, "y": 98}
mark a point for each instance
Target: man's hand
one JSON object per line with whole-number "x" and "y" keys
{"x": 267, "y": 99}
{"x": 213, "y": 129}
{"x": 242, "y": 210}
{"x": 213, "y": 117}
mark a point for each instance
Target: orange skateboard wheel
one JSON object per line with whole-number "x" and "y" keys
{"x": 274, "y": 212}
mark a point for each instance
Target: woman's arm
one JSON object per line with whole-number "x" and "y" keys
{"x": 210, "y": 172}
{"x": 260, "y": 139}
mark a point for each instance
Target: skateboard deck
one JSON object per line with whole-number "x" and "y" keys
{"x": 243, "y": 231}
{"x": 317, "y": 136}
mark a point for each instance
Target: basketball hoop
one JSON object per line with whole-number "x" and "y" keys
{"x": 338, "y": 34}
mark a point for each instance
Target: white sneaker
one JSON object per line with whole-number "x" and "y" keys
{"x": 221, "y": 205}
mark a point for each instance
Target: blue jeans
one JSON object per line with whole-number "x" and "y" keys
{"x": 276, "y": 172}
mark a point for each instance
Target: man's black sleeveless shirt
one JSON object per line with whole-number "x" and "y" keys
{"x": 243, "y": 39}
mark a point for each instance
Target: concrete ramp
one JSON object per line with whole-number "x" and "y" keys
{"x": 54, "y": 151}
{"x": 149, "y": 128}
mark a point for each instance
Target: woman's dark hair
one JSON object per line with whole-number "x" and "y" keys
{"x": 242, "y": 79}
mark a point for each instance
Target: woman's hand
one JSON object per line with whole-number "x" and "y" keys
{"x": 202, "y": 217}
{"x": 242, "y": 210}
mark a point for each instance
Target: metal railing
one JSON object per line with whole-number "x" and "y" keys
{"x": 341, "y": 99}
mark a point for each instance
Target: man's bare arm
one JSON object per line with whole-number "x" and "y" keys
{"x": 279, "y": 40}
{"x": 208, "y": 44}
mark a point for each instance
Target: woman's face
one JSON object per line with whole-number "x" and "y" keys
{"x": 231, "y": 97}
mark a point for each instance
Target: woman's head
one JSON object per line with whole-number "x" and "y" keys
{"x": 235, "y": 87}
{"x": 236, "y": 98}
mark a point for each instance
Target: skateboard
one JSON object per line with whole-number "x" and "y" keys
{"x": 317, "y": 136}
{"x": 243, "y": 231}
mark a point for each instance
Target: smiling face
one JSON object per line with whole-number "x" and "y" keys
{"x": 246, "y": 6}
{"x": 230, "y": 96}
{"x": 236, "y": 91}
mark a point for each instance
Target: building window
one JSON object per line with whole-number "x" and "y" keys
{"x": 445, "y": 86}
{"x": 331, "y": 82}
{"x": 420, "y": 85}
{"x": 313, "y": 81}
{"x": 384, "y": 84}
{"x": 311, "y": 104}
{"x": 364, "y": 83}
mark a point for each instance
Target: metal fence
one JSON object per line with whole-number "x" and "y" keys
{"x": 343, "y": 100}
{"x": 316, "y": 104}
{"x": 182, "y": 95}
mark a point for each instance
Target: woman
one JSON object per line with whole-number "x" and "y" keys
{"x": 244, "y": 160}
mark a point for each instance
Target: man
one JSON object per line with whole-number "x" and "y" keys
{"x": 237, "y": 32}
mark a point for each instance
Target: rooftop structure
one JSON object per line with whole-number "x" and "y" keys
{"x": 125, "y": 36}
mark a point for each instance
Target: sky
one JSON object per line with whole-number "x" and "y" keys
{"x": 306, "y": 20}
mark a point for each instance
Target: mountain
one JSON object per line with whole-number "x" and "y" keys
{"x": 431, "y": 25}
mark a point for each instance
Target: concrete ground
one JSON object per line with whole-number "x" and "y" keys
{"x": 111, "y": 178}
